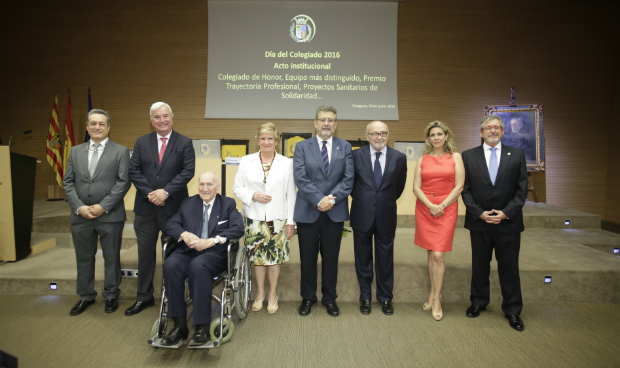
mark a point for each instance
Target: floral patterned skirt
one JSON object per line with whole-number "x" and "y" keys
{"x": 266, "y": 242}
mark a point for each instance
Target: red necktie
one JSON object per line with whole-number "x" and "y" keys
{"x": 163, "y": 149}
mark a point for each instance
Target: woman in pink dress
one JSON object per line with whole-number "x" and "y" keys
{"x": 437, "y": 183}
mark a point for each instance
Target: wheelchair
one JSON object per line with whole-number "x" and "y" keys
{"x": 236, "y": 293}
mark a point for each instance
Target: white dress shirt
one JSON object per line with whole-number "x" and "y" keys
{"x": 91, "y": 149}
{"x": 373, "y": 158}
{"x": 487, "y": 152}
{"x": 159, "y": 141}
{"x": 204, "y": 204}
{"x": 328, "y": 145}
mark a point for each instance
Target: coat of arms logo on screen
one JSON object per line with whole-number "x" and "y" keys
{"x": 302, "y": 28}
{"x": 204, "y": 149}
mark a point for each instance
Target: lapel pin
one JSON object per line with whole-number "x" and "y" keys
{"x": 508, "y": 153}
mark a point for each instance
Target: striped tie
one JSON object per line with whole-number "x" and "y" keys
{"x": 325, "y": 156}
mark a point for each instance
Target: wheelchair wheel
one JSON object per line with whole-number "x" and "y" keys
{"x": 215, "y": 329}
{"x": 159, "y": 328}
{"x": 242, "y": 283}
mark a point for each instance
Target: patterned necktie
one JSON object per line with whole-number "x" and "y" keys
{"x": 94, "y": 160}
{"x": 378, "y": 174}
{"x": 205, "y": 223}
{"x": 163, "y": 149}
{"x": 325, "y": 156}
{"x": 493, "y": 165}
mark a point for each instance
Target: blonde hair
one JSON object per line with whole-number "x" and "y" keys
{"x": 448, "y": 147}
{"x": 268, "y": 128}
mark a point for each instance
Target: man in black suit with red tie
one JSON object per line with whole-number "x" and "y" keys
{"x": 494, "y": 194}
{"x": 380, "y": 176}
{"x": 161, "y": 166}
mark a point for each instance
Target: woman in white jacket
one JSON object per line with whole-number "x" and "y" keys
{"x": 265, "y": 185}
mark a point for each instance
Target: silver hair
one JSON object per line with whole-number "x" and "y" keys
{"x": 100, "y": 112}
{"x": 376, "y": 121}
{"x": 491, "y": 118}
{"x": 158, "y": 105}
{"x": 326, "y": 108}
{"x": 215, "y": 176}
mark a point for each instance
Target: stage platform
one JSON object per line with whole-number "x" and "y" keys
{"x": 579, "y": 257}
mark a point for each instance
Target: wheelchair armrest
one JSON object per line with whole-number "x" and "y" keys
{"x": 169, "y": 244}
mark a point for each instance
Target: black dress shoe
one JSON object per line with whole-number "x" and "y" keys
{"x": 333, "y": 310}
{"x": 387, "y": 307}
{"x": 81, "y": 306}
{"x": 139, "y": 307}
{"x": 174, "y": 336}
{"x": 111, "y": 305}
{"x": 474, "y": 311}
{"x": 365, "y": 307}
{"x": 201, "y": 336}
{"x": 515, "y": 322}
{"x": 306, "y": 307}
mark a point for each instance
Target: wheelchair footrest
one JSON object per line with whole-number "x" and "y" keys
{"x": 156, "y": 343}
{"x": 207, "y": 345}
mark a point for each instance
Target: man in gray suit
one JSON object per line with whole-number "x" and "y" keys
{"x": 96, "y": 181}
{"x": 323, "y": 171}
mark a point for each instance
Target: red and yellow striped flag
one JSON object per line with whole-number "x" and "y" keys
{"x": 69, "y": 138}
{"x": 54, "y": 145}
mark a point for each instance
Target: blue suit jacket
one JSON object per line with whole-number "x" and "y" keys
{"x": 371, "y": 202}
{"x": 224, "y": 221}
{"x": 313, "y": 183}
{"x": 172, "y": 175}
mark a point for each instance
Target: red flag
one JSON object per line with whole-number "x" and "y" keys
{"x": 54, "y": 145}
{"x": 69, "y": 138}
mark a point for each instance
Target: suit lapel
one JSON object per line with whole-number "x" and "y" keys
{"x": 482, "y": 163}
{"x": 82, "y": 158}
{"x": 198, "y": 215}
{"x": 503, "y": 162}
{"x": 366, "y": 160}
{"x": 215, "y": 214}
{"x": 169, "y": 148}
{"x": 334, "y": 156}
{"x": 154, "y": 151}
{"x": 316, "y": 152}
{"x": 389, "y": 167}
{"x": 104, "y": 157}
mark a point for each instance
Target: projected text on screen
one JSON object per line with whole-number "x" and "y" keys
{"x": 266, "y": 63}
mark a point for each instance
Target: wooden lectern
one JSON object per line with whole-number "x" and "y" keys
{"x": 17, "y": 174}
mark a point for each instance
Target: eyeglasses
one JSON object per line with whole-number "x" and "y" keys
{"x": 378, "y": 134}
{"x": 331, "y": 121}
{"x": 493, "y": 127}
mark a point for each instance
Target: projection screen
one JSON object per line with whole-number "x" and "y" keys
{"x": 283, "y": 59}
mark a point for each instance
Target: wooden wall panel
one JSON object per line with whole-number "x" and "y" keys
{"x": 454, "y": 58}
{"x": 612, "y": 202}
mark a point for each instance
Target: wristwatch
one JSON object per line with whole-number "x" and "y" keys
{"x": 216, "y": 240}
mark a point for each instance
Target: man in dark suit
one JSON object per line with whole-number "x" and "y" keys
{"x": 96, "y": 181}
{"x": 380, "y": 176}
{"x": 161, "y": 166}
{"x": 323, "y": 171}
{"x": 494, "y": 194}
{"x": 204, "y": 224}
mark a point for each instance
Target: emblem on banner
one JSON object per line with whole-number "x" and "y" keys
{"x": 302, "y": 28}
{"x": 204, "y": 149}
{"x": 409, "y": 152}
{"x": 55, "y": 141}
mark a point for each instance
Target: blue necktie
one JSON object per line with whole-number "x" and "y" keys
{"x": 325, "y": 156}
{"x": 493, "y": 165}
{"x": 378, "y": 174}
{"x": 205, "y": 223}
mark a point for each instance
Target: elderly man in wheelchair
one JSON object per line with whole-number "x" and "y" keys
{"x": 202, "y": 228}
